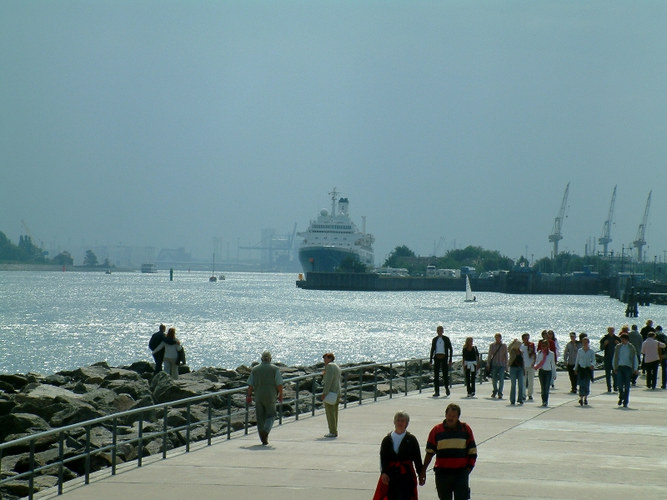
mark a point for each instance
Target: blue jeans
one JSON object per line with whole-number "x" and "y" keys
{"x": 623, "y": 377}
{"x": 516, "y": 375}
{"x": 545, "y": 385}
{"x": 498, "y": 379}
{"x": 584, "y": 376}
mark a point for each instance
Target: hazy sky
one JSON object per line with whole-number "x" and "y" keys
{"x": 446, "y": 123}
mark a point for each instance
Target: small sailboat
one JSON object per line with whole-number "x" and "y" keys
{"x": 213, "y": 278}
{"x": 469, "y": 296}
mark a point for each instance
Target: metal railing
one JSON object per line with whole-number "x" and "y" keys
{"x": 135, "y": 434}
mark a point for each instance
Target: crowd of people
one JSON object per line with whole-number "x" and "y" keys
{"x": 522, "y": 360}
{"x": 452, "y": 442}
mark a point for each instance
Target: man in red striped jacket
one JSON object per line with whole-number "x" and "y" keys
{"x": 453, "y": 444}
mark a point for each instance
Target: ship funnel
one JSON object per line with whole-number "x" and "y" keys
{"x": 343, "y": 206}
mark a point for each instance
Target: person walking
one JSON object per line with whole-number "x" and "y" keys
{"x": 156, "y": 340}
{"x": 266, "y": 382}
{"x": 648, "y": 327}
{"x": 400, "y": 461}
{"x": 528, "y": 353}
{"x": 584, "y": 365}
{"x": 570, "y": 357}
{"x": 496, "y": 362}
{"x": 636, "y": 340}
{"x": 545, "y": 364}
{"x": 331, "y": 393}
{"x": 651, "y": 351}
{"x": 170, "y": 346}
{"x": 453, "y": 444}
{"x": 607, "y": 344}
{"x": 516, "y": 372}
{"x": 661, "y": 337}
{"x": 625, "y": 364}
{"x": 441, "y": 359}
{"x": 470, "y": 356}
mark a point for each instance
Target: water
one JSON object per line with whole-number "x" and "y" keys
{"x": 52, "y": 321}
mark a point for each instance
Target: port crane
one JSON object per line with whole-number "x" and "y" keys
{"x": 605, "y": 239}
{"x": 556, "y": 235}
{"x": 640, "y": 241}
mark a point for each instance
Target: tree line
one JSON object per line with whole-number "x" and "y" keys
{"x": 26, "y": 252}
{"x": 491, "y": 260}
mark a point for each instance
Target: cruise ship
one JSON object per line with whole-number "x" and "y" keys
{"x": 333, "y": 237}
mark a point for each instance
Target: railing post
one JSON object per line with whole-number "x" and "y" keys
{"x": 296, "y": 410}
{"x": 114, "y": 443}
{"x": 187, "y": 428}
{"x": 391, "y": 380}
{"x": 406, "y": 372}
{"x": 229, "y": 416}
{"x": 140, "y": 439}
{"x": 375, "y": 383}
{"x": 61, "y": 465}
{"x": 31, "y": 479}
{"x": 345, "y": 385}
{"x": 209, "y": 430}
{"x": 165, "y": 432}
{"x": 361, "y": 384}
{"x": 87, "y": 460}
{"x": 247, "y": 415}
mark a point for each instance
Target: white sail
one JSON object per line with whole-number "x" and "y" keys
{"x": 469, "y": 297}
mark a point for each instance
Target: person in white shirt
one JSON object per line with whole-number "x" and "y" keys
{"x": 584, "y": 365}
{"x": 545, "y": 363}
{"x": 528, "y": 352}
{"x": 651, "y": 352}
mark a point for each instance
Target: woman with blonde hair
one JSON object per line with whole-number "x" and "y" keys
{"x": 470, "y": 358}
{"x": 517, "y": 371}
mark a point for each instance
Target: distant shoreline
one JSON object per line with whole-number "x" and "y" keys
{"x": 57, "y": 268}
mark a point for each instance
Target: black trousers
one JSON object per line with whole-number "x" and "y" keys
{"x": 651, "y": 374}
{"x": 573, "y": 377}
{"x": 440, "y": 364}
{"x": 452, "y": 482}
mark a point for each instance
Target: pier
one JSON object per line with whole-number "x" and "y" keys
{"x": 565, "y": 451}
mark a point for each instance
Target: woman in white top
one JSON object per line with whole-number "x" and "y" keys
{"x": 545, "y": 363}
{"x": 171, "y": 346}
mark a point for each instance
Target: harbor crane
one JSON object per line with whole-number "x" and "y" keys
{"x": 556, "y": 235}
{"x": 605, "y": 239}
{"x": 640, "y": 241}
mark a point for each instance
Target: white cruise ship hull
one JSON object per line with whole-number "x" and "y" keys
{"x": 326, "y": 259}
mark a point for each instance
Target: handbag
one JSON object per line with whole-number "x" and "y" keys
{"x": 331, "y": 398}
{"x": 487, "y": 367}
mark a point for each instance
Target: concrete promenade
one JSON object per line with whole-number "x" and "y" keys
{"x": 565, "y": 451}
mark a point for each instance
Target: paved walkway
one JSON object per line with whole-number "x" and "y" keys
{"x": 562, "y": 452}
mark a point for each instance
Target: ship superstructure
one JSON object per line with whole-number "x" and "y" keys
{"x": 333, "y": 237}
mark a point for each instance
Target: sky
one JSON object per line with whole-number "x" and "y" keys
{"x": 445, "y": 123}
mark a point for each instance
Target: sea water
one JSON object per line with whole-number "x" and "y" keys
{"x": 52, "y": 321}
